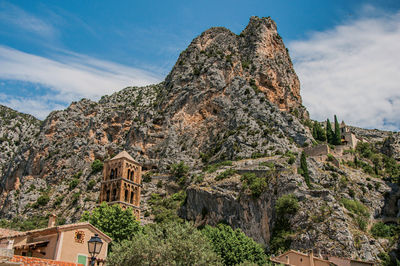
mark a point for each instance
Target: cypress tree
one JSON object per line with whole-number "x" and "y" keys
{"x": 329, "y": 132}
{"x": 337, "y": 137}
{"x": 304, "y": 169}
{"x": 318, "y": 132}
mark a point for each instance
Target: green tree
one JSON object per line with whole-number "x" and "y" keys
{"x": 285, "y": 206}
{"x": 304, "y": 169}
{"x": 329, "y": 132}
{"x": 165, "y": 244}
{"x": 337, "y": 138}
{"x": 97, "y": 166}
{"x": 234, "y": 246}
{"x": 318, "y": 132}
{"x": 115, "y": 222}
{"x": 180, "y": 171}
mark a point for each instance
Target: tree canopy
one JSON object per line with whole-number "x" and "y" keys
{"x": 165, "y": 244}
{"x": 115, "y": 222}
{"x": 234, "y": 246}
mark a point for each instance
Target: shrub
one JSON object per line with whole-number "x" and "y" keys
{"x": 75, "y": 197}
{"x": 330, "y": 157}
{"x": 361, "y": 222}
{"x": 257, "y": 185}
{"x": 355, "y": 207}
{"x": 91, "y": 184}
{"x": 225, "y": 174}
{"x": 233, "y": 246}
{"x": 287, "y": 205}
{"x": 73, "y": 184}
{"x": 43, "y": 200}
{"x": 180, "y": 171}
{"x": 380, "y": 229}
{"x": 166, "y": 209}
{"x": 97, "y": 166}
{"x": 58, "y": 200}
{"x": 147, "y": 177}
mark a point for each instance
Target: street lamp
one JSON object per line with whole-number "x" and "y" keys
{"x": 94, "y": 246}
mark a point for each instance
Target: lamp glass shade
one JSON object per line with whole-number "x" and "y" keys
{"x": 94, "y": 245}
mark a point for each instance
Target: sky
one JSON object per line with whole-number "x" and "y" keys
{"x": 346, "y": 53}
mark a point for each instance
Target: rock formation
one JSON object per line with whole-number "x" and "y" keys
{"x": 228, "y": 97}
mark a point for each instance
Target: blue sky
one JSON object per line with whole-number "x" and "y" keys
{"x": 54, "y": 52}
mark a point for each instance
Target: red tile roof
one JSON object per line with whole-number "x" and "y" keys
{"x": 30, "y": 261}
{"x": 8, "y": 232}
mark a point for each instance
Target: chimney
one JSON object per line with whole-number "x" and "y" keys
{"x": 311, "y": 258}
{"x": 52, "y": 220}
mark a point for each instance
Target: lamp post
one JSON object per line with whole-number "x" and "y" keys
{"x": 94, "y": 247}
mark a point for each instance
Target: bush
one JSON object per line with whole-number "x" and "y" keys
{"x": 180, "y": 171}
{"x": 58, "y": 200}
{"x": 91, "y": 184}
{"x": 355, "y": 207}
{"x": 73, "y": 184}
{"x": 380, "y": 229}
{"x": 43, "y": 200}
{"x": 233, "y": 246}
{"x": 225, "y": 174}
{"x": 256, "y": 185}
{"x": 166, "y": 209}
{"x": 147, "y": 177}
{"x": 286, "y": 205}
{"x": 97, "y": 166}
{"x": 165, "y": 244}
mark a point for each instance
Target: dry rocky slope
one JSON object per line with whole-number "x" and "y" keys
{"x": 228, "y": 97}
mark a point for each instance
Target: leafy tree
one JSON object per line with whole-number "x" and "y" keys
{"x": 329, "y": 132}
{"x": 318, "y": 132}
{"x": 97, "y": 166}
{"x": 180, "y": 171}
{"x": 234, "y": 246}
{"x": 165, "y": 210}
{"x": 115, "y": 222}
{"x": 165, "y": 244}
{"x": 286, "y": 205}
{"x": 337, "y": 138}
{"x": 304, "y": 169}
{"x": 256, "y": 185}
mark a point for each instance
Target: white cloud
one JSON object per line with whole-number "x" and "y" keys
{"x": 13, "y": 15}
{"x": 71, "y": 76}
{"x": 353, "y": 71}
{"x": 39, "y": 107}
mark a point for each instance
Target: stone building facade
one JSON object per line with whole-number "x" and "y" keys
{"x": 122, "y": 182}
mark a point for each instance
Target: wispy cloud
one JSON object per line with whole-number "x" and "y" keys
{"x": 69, "y": 76}
{"x": 353, "y": 71}
{"x": 17, "y": 17}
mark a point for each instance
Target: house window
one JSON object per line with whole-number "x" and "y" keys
{"x": 79, "y": 236}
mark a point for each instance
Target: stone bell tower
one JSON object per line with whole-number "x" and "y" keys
{"x": 122, "y": 182}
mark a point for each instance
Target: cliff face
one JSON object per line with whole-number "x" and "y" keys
{"x": 228, "y": 97}
{"x": 258, "y": 57}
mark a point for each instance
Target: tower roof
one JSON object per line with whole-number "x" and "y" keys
{"x": 124, "y": 154}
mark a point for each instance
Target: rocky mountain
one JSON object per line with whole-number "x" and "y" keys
{"x": 231, "y": 110}
{"x": 17, "y": 131}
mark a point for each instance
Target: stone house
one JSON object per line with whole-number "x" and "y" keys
{"x": 297, "y": 258}
{"x": 348, "y": 137}
{"x": 67, "y": 243}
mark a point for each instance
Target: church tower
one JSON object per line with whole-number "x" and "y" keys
{"x": 122, "y": 181}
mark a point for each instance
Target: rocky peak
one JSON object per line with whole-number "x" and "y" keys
{"x": 258, "y": 56}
